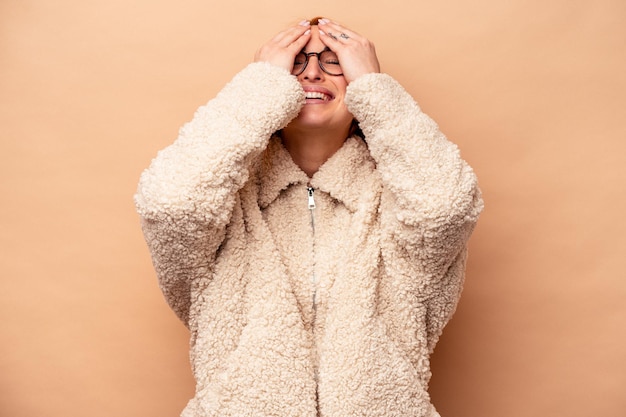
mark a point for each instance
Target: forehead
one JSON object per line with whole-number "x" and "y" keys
{"x": 315, "y": 44}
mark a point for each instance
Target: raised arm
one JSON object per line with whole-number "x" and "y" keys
{"x": 187, "y": 196}
{"x": 431, "y": 200}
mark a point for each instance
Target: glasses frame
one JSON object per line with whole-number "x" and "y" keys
{"x": 319, "y": 61}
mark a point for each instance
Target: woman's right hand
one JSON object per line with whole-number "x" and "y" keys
{"x": 283, "y": 48}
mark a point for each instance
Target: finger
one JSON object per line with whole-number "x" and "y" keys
{"x": 333, "y": 40}
{"x": 299, "y": 43}
{"x": 337, "y": 31}
{"x": 288, "y": 36}
{"x": 329, "y": 39}
{"x": 283, "y": 48}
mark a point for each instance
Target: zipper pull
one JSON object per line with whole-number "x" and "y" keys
{"x": 311, "y": 201}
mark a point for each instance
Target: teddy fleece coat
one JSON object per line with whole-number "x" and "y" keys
{"x": 309, "y": 297}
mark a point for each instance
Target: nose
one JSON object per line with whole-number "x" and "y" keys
{"x": 313, "y": 70}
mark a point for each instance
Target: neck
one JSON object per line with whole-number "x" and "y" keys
{"x": 309, "y": 149}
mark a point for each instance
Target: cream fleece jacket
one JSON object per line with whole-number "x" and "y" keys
{"x": 329, "y": 311}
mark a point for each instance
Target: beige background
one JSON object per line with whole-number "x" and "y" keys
{"x": 534, "y": 93}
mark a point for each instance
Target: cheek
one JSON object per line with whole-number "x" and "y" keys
{"x": 342, "y": 86}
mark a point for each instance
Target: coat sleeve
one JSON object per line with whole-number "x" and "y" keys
{"x": 187, "y": 195}
{"x": 430, "y": 201}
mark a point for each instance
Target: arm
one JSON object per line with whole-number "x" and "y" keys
{"x": 186, "y": 197}
{"x": 431, "y": 200}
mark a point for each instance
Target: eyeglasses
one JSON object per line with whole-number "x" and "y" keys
{"x": 327, "y": 60}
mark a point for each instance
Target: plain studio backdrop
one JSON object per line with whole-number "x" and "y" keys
{"x": 532, "y": 91}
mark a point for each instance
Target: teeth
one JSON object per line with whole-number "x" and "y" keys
{"x": 318, "y": 95}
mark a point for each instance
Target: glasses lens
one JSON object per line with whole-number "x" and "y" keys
{"x": 330, "y": 63}
{"x": 299, "y": 63}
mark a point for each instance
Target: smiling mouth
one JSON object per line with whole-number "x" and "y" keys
{"x": 317, "y": 95}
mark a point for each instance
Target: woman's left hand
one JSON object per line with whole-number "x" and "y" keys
{"x": 356, "y": 54}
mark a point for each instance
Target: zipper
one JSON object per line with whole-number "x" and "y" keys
{"x": 310, "y": 191}
{"x": 311, "y": 205}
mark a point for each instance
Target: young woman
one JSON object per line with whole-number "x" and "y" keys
{"x": 314, "y": 260}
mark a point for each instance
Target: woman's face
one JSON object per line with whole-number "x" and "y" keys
{"x": 324, "y": 107}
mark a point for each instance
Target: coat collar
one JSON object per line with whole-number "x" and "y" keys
{"x": 345, "y": 175}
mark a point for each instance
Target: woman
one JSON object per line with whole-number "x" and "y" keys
{"x": 314, "y": 268}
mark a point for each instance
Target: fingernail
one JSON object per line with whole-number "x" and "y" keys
{"x": 304, "y": 23}
{"x": 321, "y": 32}
{"x": 307, "y": 32}
{"x": 323, "y": 21}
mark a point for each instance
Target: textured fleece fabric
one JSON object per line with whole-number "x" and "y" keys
{"x": 330, "y": 311}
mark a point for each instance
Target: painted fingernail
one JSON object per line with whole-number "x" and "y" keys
{"x": 304, "y": 23}
{"x": 323, "y": 21}
{"x": 307, "y": 32}
{"x": 321, "y": 32}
